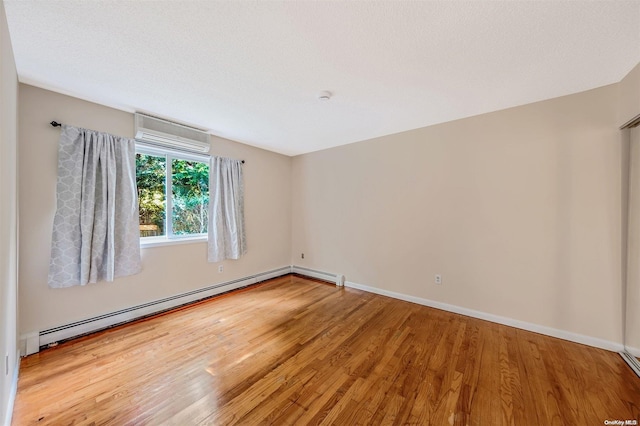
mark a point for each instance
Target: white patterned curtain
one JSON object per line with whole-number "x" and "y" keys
{"x": 227, "y": 239}
{"x": 96, "y": 233}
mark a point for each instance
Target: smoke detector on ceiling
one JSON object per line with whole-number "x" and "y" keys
{"x": 324, "y": 95}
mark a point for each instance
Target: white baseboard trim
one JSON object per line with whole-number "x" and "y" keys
{"x": 337, "y": 279}
{"x": 12, "y": 391}
{"x": 633, "y": 351}
{"x": 90, "y": 325}
{"x": 549, "y": 331}
{"x": 101, "y": 322}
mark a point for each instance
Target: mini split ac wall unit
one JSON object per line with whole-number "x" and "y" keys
{"x": 159, "y": 132}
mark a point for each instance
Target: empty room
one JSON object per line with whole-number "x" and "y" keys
{"x": 319, "y": 212}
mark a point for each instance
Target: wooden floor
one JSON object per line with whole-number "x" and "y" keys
{"x": 295, "y": 351}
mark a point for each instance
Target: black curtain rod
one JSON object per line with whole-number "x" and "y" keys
{"x": 56, "y": 124}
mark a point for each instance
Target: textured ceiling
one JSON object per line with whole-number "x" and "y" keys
{"x": 251, "y": 71}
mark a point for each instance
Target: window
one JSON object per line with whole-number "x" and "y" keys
{"x": 173, "y": 194}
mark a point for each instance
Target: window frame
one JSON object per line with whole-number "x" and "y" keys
{"x": 170, "y": 154}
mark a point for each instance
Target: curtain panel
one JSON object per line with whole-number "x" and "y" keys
{"x": 96, "y": 233}
{"x": 227, "y": 239}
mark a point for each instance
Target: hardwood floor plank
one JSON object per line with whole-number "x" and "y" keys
{"x": 295, "y": 351}
{"x": 506, "y": 380}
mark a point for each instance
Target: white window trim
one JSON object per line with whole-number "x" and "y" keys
{"x": 169, "y": 239}
{"x": 186, "y": 155}
{"x": 146, "y": 242}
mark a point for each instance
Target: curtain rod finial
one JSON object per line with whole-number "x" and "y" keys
{"x": 55, "y": 124}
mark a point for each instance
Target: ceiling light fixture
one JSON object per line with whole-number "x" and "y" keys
{"x": 324, "y": 95}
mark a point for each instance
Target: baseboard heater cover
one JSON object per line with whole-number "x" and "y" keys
{"x": 101, "y": 322}
{"x": 337, "y": 279}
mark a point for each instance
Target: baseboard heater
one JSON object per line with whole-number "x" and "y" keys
{"x": 337, "y": 279}
{"x": 101, "y": 322}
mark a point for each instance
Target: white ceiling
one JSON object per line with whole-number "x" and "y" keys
{"x": 251, "y": 71}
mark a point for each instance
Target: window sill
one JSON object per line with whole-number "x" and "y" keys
{"x": 146, "y": 242}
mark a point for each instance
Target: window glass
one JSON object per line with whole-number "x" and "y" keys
{"x": 182, "y": 190}
{"x": 151, "y": 173}
{"x": 190, "y": 195}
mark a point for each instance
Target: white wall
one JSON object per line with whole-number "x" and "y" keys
{"x": 519, "y": 210}
{"x": 168, "y": 270}
{"x": 8, "y": 218}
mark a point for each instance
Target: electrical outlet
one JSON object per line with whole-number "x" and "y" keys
{"x": 302, "y": 255}
{"x": 220, "y": 268}
{"x": 438, "y": 279}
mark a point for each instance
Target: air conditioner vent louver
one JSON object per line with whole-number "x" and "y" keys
{"x": 164, "y": 133}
